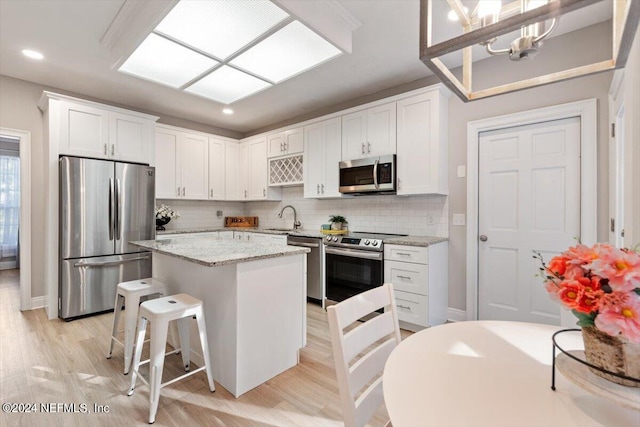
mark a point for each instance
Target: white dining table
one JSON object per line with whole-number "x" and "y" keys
{"x": 489, "y": 373}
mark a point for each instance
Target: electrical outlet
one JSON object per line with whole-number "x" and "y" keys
{"x": 219, "y": 214}
{"x": 462, "y": 171}
{"x": 458, "y": 219}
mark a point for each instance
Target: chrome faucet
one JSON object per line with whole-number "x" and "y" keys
{"x": 296, "y": 223}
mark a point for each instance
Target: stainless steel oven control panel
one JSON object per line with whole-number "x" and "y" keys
{"x": 369, "y": 244}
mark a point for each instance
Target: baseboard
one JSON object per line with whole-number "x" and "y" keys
{"x": 456, "y": 315}
{"x": 38, "y": 302}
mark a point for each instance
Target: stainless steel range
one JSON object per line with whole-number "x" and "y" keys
{"x": 354, "y": 264}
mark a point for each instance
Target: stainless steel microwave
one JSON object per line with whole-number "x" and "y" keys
{"x": 370, "y": 175}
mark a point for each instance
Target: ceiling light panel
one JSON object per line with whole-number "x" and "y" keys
{"x": 166, "y": 62}
{"x": 291, "y": 50}
{"x": 220, "y": 27}
{"x": 227, "y": 85}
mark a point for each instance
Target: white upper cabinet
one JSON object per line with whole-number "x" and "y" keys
{"x": 130, "y": 138}
{"x": 370, "y": 132}
{"x": 88, "y": 130}
{"x": 322, "y": 155}
{"x": 234, "y": 187}
{"x": 182, "y": 164}
{"x": 258, "y": 184}
{"x": 422, "y": 144}
{"x": 217, "y": 168}
{"x": 285, "y": 143}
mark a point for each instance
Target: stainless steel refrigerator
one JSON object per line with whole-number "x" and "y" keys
{"x": 103, "y": 206}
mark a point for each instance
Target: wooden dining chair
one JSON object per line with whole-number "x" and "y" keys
{"x": 360, "y": 350}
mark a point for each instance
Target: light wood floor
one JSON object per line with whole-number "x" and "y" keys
{"x": 44, "y": 361}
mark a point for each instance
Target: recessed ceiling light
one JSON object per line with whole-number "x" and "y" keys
{"x": 32, "y": 54}
{"x": 227, "y": 111}
{"x": 291, "y": 50}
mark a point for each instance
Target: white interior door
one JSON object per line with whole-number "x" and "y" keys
{"x": 529, "y": 200}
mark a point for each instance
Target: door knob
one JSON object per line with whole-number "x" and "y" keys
{"x": 483, "y": 238}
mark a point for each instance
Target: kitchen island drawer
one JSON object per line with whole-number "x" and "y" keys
{"x": 412, "y": 308}
{"x": 415, "y": 254}
{"x": 407, "y": 277}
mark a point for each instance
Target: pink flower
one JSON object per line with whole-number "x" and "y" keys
{"x": 581, "y": 254}
{"x": 621, "y": 319}
{"x": 622, "y": 268}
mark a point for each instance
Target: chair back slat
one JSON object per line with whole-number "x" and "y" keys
{"x": 370, "y": 366}
{"x": 359, "y": 341}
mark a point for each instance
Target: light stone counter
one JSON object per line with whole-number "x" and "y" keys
{"x": 422, "y": 241}
{"x": 212, "y": 252}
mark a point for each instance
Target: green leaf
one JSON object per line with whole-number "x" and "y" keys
{"x": 585, "y": 319}
{"x": 637, "y": 291}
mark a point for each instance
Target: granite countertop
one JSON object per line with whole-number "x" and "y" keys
{"x": 213, "y": 252}
{"x": 304, "y": 233}
{"x": 400, "y": 240}
{"x": 415, "y": 240}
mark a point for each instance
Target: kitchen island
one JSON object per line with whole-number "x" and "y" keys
{"x": 254, "y": 297}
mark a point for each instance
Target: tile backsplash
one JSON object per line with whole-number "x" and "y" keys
{"x": 415, "y": 215}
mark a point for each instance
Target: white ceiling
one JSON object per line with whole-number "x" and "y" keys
{"x": 68, "y": 33}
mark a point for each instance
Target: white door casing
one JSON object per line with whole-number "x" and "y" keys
{"x": 529, "y": 200}
{"x": 587, "y": 111}
{"x": 25, "y": 219}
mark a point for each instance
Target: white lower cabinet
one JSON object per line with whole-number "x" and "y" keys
{"x": 420, "y": 280}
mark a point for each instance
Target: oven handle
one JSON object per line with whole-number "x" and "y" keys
{"x": 355, "y": 254}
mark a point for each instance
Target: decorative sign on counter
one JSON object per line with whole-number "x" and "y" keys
{"x": 240, "y": 221}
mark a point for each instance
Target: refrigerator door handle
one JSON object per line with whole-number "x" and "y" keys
{"x": 108, "y": 263}
{"x": 118, "y": 214}
{"x": 111, "y": 209}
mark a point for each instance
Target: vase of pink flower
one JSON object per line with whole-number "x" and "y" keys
{"x": 601, "y": 286}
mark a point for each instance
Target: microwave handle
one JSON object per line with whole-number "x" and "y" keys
{"x": 375, "y": 175}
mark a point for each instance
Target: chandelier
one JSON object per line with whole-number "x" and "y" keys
{"x": 490, "y": 19}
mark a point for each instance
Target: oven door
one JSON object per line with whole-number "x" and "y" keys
{"x": 351, "y": 271}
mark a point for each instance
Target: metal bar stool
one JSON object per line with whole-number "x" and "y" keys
{"x": 129, "y": 293}
{"x": 160, "y": 312}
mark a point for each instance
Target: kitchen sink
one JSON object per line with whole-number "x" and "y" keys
{"x": 278, "y": 229}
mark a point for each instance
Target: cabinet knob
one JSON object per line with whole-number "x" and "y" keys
{"x": 483, "y": 238}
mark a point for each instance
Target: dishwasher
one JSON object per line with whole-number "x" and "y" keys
{"x": 315, "y": 267}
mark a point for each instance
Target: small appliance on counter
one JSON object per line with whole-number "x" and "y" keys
{"x": 241, "y": 221}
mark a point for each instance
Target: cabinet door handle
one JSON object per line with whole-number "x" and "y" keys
{"x": 105, "y": 149}
{"x": 113, "y": 149}
{"x": 264, "y": 192}
{"x": 368, "y": 147}
{"x": 403, "y": 253}
{"x": 404, "y": 307}
{"x": 210, "y": 193}
{"x": 318, "y": 189}
{"x": 286, "y": 146}
{"x": 245, "y": 194}
{"x": 178, "y": 191}
{"x": 322, "y": 185}
{"x": 404, "y": 277}
{"x": 184, "y": 191}
{"x": 398, "y": 183}
{"x": 363, "y": 148}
